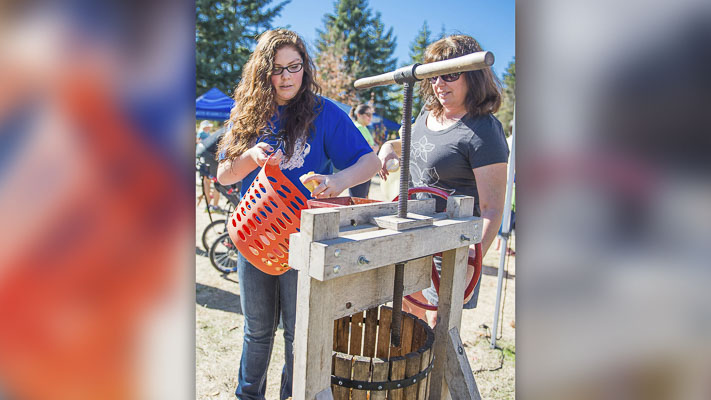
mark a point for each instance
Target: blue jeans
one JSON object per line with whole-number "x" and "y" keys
{"x": 360, "y": 190}
{"x": 431, "y": 295}
{"x": 263, "y": 298}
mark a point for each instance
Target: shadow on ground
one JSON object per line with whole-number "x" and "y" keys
{"x": 494, "y": 271}
{"x": 217, "y": 299}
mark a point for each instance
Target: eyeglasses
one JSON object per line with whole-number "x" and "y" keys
{"x": 447, "y": 78}
{"x": 293, "y": 68}
{"x": 370, "y": 114}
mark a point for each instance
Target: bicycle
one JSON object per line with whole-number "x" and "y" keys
{"x": 217, "y": 227}
{"x": 223, "y": 254}
{"x": 221, "y": 251}
{"x": 213, "y": 236}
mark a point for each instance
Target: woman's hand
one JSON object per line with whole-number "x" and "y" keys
{"x": 232, "y": 171}
{"x": 332, "y": 185}
{"x": 387, "y": 153}
{"x": 261, "y": 152}
{"x": 326, "y": 185}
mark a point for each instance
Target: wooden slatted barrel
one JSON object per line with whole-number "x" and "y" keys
{"x": 365, "y": 366}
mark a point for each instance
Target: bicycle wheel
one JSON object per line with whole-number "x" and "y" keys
{"x": 212, "y": 232}
{"x": 223, "y": 254}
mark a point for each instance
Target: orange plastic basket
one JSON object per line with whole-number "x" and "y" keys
{"x": 267, "y": 214}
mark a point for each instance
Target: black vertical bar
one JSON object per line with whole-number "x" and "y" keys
{"x": 405, "y": 158}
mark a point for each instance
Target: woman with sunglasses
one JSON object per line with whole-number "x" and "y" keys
{"x": 362, "y": 115}
{"x": 280, "y": 118}
{"x": 458, "y": 146}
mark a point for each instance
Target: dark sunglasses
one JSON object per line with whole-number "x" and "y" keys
{"x": 293, "y": 68}
{"x": 447, "y": 78}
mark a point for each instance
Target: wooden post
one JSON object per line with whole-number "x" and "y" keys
{"x": 458, "y": 372}
{"x": 449, "y": 314}
{"x": 325, "y": 394}
{"x": 312, "y": 352}
{"x": 451, "y": 293}
{"x": 460, "y": 206}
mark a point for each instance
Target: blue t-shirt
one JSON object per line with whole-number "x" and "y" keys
{"x": 334, "y": 141}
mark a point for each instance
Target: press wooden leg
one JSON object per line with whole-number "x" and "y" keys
{"x": 458, "y": 373}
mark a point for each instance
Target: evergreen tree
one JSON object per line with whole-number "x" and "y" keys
{"x": 442, "y": 33}
{"x": 331, "y": 73}
{"x": 417, "y": 55}
{"x": 369, "y": 49}
{"x": 505, "y": 113}
{"x": 225, "y": 35}
{"x": 419, "y": 45}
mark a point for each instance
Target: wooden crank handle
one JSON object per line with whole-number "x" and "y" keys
{"x": 469, "y": 62}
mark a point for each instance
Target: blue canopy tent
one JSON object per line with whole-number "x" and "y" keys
{"x": 389, "y": 125}
{"x": 213, "y": 105}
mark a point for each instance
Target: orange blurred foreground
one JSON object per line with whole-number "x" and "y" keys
{"x": 87, "y": 248}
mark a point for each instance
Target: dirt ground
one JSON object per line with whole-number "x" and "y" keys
{"x": 218, "y": 330}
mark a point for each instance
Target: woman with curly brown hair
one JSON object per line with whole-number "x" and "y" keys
{"x": 458, "y": 145}
{"x": 279, "y": 113}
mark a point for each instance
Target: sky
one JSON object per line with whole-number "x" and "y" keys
{"x": 490, "y": 22}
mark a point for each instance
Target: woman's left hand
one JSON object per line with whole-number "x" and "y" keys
{"x": 327, "y": 185}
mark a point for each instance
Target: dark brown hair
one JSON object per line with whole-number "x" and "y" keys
{"x": 360, "y": 109}
{"x": 483, "y": 88}
{"x": 255, "y": 103}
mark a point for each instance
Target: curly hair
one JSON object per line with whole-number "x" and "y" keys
{"x": 255, "y": 103}
{"x": 484, "y": 89}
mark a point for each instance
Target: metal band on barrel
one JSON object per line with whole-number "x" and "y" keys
{"x": 388, "y": 385}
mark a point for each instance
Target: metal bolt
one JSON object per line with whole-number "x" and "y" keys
{"x": 414, "y": 380}
{"x": 337, "y": 253}
{"x": 398, "y": 385}
{"x": 380, "y": 387}
{"x": 340, "y": 383}
{"x": 362, "y": 260}
{"x": 336, "y": 268}
{"x": 464, "y": 238}
{"x": 360, "y": 386}
{"x": 349, "y": 305}
{"x": 460, "y": 350}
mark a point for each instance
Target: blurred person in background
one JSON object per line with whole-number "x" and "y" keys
{"x": 210, "y": 191}
{"x": 457, "y": 146}
{"x": 279, "y": 114}
{"x": 362, "y": 115}
{"x": 203, "y": 131}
